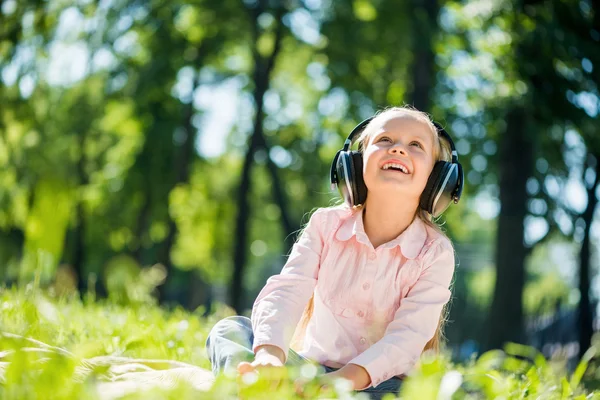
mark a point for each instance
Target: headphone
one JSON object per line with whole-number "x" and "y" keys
{"x": 444, "y": 185}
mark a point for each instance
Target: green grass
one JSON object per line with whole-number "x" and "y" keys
{"x": 80, "y": 331}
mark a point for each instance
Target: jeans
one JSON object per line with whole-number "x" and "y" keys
{"x": 230, "y": 342}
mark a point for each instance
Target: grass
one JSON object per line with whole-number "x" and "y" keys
{"x": 77, "y": 343}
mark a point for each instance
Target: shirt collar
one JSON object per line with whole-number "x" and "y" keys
{"x": 411, "y": 241}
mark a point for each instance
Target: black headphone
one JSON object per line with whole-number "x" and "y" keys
{"x": 444, "y": 185}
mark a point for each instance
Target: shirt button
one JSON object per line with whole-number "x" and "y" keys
{"x": 372, "y": 256}
{"x": 360, "y": 314}
{"x": 363, "y": 340}
{"x": 366, "y": 286}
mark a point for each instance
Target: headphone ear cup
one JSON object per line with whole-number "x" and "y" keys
{"x": 350, "y": 180}
{"x": 333, "y": 176}
{"x": 434, "y": 183}
{"x": 358, "y": 182}
{"x": 460, "y": 183}
{"x": 344, "y": 178}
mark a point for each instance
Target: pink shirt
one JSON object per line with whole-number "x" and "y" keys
{"x": 376, "y": 308}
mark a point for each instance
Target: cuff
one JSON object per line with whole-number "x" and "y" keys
{"x": 378, "y": 367}
{"x": 258, "y": 342}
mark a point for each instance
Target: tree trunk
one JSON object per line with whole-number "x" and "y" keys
{"x": 14, "y": 240}
{"x": 199, "y": 293}
{"x": 79, "y": 251}
{"x": 79, "y": 235}
{"x": 262, "y": 74}
{"x": 586, "y": 328}
{"x": 142, "y": 225}
{"x": 183, "y": 159}
{"x": 241, "y": 226}
{"x": 423, "y": 68}
{"x": 516, "y": 164}
{"x": 280, "y": 197}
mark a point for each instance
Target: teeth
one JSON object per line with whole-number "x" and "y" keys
{"x": 396, "y": 166}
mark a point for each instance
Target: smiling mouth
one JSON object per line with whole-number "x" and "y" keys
{"x": 395, "y": 167}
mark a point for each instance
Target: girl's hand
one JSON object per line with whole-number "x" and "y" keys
{"x": 357, "y": 375}
{"x": 266, "y": 357}
{"x": 311, "y": 388}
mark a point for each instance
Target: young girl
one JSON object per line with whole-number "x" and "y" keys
{"x": 363, "y": 290}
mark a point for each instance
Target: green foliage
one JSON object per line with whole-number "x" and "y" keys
{"x": 92, "y": 329}
{"x": 62, "y": 348}
{"x": 127, "y": 283}
{"x": 46, "y": 229}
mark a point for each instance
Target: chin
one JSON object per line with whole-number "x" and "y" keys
{"x": 390, "y": 185}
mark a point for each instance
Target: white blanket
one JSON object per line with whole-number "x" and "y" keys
{"x": 120, "y": 375}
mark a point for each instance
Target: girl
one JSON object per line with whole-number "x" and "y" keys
{"x": 364, "y": 287}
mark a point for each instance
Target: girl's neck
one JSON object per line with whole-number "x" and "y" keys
{"x": 385, "y": 218}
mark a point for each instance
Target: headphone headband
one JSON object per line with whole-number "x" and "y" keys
{"x": 446, "y": 136}
{"x": 355, "y": 132}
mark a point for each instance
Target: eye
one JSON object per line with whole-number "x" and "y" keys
{"x": 415, "y": 143}
{"x": 384, "y": 139}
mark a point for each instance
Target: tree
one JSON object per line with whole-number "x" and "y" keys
{"x": 263, "y": 66}
{"x": 506, "y": 314}
{"x": 520, "y": 99}
{"x": 423, "y": 65}
{"x": 586, "y": 313}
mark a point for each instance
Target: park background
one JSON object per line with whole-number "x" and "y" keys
{"x": 169, "y": 152}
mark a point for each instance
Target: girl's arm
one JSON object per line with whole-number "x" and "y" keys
{"x": 279, "y": 305}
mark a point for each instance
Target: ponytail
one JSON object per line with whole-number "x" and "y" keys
{"x": 298, "y": 338}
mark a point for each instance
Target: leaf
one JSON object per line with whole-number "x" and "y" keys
{"x": 566, "y": 388}
{"x": 491, "y": 359}
{"x": 582, "y": 367}
{"x": 515, "y": 365}
{"x": 521, "y": 350}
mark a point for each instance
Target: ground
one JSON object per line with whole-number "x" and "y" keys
{"x": 64, "y": 348}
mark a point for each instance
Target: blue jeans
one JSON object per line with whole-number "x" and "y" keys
{"x": 230, "y": 342}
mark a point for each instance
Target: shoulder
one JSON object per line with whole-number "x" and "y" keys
{"x": 436, "y": 244}
{"x": 330, "y": 216}
{"x": 326, "y": 221}
{"x": 435, "y": 238}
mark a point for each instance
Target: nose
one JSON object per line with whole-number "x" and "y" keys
{"x": 398, "y": 149}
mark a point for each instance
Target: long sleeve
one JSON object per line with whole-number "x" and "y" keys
{"x": 282, "y": 300}
{"x": 415, "y": 321}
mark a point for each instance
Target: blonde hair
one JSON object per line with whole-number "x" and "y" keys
{"x": 441, "y": 151}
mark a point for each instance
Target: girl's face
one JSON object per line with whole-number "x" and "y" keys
{"x": 398, "y": 156}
